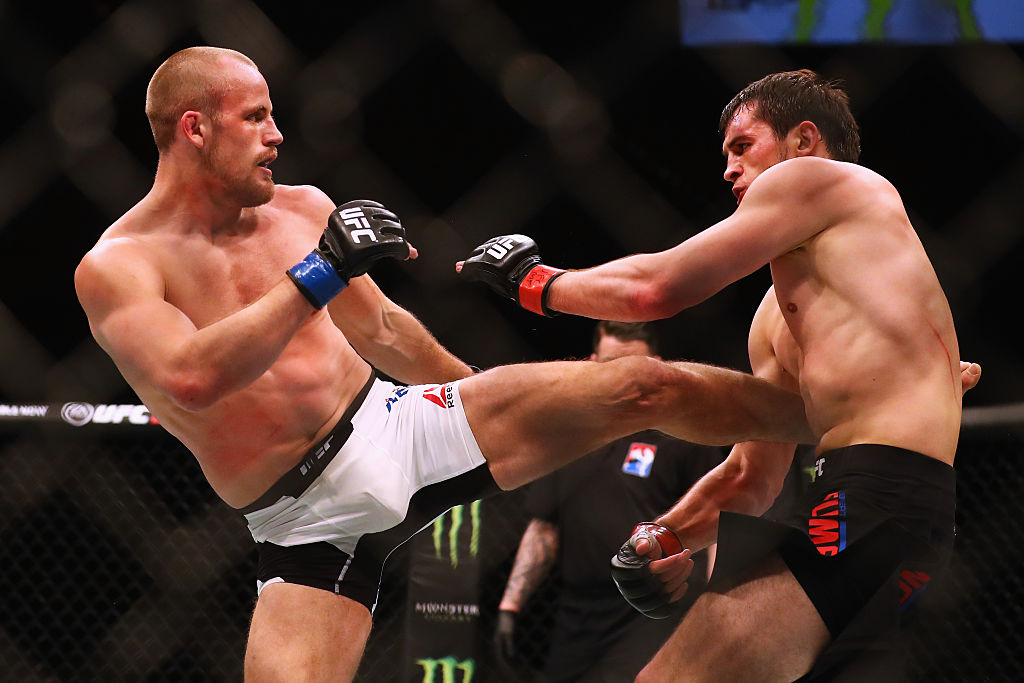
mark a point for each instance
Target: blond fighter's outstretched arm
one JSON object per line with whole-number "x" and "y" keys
{"x": 391, "y": 338}
{"x": 333, "y": 276}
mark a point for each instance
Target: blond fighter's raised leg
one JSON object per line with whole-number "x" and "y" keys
{"x": 531, "y": 419}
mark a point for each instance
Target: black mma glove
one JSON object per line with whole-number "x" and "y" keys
{"x": 633, "y": 578}
{"x": 511, "y": 265}
{"x": 358, "y": 233}
{"x": 505, "y": 637}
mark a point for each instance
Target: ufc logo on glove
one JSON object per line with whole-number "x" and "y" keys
{"x": 499, "y": 250}
{"x": 340, "y": 255}
{"x": 511, "y": 265}
{"x": 357, "y": 220}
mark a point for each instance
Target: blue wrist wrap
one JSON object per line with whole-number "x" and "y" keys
{"x": 316, "y": 279}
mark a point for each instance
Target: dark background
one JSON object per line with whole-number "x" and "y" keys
{"x": 583, "y": 124}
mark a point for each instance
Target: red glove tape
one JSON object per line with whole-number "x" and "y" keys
{"x": 533, "y": 286}
{"x": 665, "y": 537}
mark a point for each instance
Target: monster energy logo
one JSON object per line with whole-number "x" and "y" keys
{"x": 814, "y": 471}
{"x": 457, "y": 515}
{"x": 447, "y": 666}
{"x": 447, "y": 611}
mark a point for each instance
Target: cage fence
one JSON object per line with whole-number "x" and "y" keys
{"x": 121, "y": 564}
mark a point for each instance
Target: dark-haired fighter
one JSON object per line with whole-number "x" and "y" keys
{"x": 248, "y": 329}
{"x": 857, "y": 322}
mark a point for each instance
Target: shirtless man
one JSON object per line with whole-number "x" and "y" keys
{"x": 857, "y": 323}
{"x": 249, "y": 330}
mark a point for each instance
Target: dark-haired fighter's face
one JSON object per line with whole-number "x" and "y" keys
{"x": 750, "y": 147}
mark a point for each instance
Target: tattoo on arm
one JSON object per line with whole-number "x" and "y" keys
{"x": 534, "y": 560}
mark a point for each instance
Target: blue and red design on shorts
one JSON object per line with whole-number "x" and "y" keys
{"x": 912, "y": 585}
{"x": 827, "y": 524}
{"x": 398, "y": 393}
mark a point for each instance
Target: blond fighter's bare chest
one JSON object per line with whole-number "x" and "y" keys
{"x": 208, "y": 280}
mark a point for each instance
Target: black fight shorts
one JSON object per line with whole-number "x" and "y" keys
{"x": 869, "y": 535}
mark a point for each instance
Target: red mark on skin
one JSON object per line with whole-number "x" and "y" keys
{"x": 949, "y": 360}
{"x": 791, "y": 307}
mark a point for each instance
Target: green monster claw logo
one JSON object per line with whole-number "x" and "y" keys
{"x": 447, "y": 666}
{"x": 814, "y": 471}
{"x": 878, "y": 13}
{"x": 457, "y": 514}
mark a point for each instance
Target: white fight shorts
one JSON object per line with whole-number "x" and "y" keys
{"x": 400, "y": 457}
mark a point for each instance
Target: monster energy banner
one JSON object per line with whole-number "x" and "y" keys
{"x": 443, "y": 609}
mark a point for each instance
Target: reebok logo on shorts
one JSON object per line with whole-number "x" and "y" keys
{"x": 442, "y": 395}
{"x": 640, "y": 459}
{"x": 827, "y": 524}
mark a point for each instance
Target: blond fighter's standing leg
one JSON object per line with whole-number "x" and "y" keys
{"x": 765, "y": 629}
{"x": 305, "y": 634}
